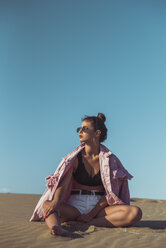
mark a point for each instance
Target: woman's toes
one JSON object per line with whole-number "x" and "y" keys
{"x": 57, "y": 230}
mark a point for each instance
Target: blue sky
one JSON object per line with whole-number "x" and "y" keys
{"x": 61, "y": 60}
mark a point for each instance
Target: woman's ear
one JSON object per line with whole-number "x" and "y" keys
{"x": 98, "y": 132}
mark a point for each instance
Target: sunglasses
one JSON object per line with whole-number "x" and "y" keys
{"x": 83, "y": 129}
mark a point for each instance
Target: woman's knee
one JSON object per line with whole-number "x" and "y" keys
{"x": 135, "y": 215}
{"x": 137, "y": 212}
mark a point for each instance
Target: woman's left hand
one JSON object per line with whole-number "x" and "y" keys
{"x": 49, "y": 208}
{"x": 85, "y": 217}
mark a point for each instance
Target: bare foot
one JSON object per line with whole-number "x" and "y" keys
{"x": 58, "y": 230}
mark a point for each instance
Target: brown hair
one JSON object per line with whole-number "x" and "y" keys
{"x": 98, "y": 124}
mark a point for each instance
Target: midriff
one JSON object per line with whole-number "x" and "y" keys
{"x": 76, "y": 185}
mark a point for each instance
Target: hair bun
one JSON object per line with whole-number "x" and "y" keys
{"x": 101, "y": 117}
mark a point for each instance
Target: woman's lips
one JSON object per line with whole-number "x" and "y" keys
{"x": 80, "y": 136}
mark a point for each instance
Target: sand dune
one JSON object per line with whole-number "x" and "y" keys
{"x": 17, "y": 232}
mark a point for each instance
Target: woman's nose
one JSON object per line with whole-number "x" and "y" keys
{"x": 80, "y": 131}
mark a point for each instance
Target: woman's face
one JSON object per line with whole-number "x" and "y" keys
{"x": 87, "y": 133}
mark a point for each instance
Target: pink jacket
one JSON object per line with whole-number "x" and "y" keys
{"x": 114, "y": 177}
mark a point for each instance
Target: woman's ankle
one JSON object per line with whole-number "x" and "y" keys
{"x": 52, "y": 220}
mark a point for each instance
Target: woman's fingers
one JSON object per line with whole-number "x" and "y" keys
{"x": 48, "y": 208}
{"x": 47, "y": 212}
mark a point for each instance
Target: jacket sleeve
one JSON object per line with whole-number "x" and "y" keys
{"x": 124, "y": 193}
{"x": 119, "y": 180}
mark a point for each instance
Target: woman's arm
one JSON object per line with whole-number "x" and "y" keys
{"x": 99, "y": 206}
{"x": 50, "y": 206}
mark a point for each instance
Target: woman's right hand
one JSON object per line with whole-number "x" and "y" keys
{"x": 49, "y": 208}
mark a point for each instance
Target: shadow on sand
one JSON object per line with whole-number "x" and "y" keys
{"x": 153, "y": 224}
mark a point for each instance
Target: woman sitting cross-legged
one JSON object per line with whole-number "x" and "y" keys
{"x": 90, "y": 185}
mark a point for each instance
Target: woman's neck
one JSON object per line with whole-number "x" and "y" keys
{"x": 92, "y": 150}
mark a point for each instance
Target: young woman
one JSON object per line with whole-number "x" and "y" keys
{"x": 90, "y": 185}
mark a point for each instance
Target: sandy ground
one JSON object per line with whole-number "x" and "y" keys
{"x": 17, "y": 232}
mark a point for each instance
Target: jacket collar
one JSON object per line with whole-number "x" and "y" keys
{"x": 104, "y": 151}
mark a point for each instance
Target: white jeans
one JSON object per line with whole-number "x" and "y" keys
{"x": 84, "y": 203}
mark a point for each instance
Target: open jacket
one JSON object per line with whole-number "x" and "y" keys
{"x": 114, "y": 178}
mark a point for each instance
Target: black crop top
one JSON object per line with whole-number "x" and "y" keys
{"x": 82, "y": 176}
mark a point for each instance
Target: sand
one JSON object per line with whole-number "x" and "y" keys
{"x": 17, "y": 232}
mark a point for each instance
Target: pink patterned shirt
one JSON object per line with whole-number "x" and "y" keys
{"x": 114, "y": 178}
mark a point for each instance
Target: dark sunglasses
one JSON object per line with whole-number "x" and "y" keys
{"x": 83, "y": 129}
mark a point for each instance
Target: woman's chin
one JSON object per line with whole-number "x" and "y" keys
{"x": 82, "y": 140}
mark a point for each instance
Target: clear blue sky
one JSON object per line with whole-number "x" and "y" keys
{"x": 61, "y": 60}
